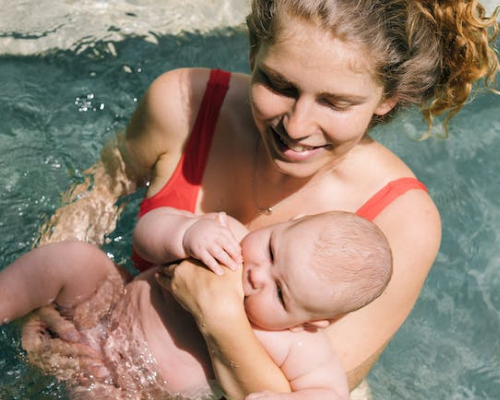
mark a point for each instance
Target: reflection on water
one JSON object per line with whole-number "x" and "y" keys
{"x": 450, "y": 348}
{"x": 33, "y": 26}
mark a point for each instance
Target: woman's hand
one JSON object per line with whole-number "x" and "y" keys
{"x": 240, "y": 363}
{"x": 211, "y": 299}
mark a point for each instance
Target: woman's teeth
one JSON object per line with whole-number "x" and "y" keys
{"x": 299, "y": 148}
{"x": 295, "y": 147}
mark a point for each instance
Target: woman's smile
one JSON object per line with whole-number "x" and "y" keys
{"x": 294, "y": 151}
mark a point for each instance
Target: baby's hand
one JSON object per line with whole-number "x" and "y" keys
{"x": 211, "y": 241}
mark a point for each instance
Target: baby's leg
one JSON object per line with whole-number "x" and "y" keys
{"x": 95, "y": 310}
{"x": 66, "y": 342}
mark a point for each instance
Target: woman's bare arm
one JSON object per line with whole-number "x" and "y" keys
{"x": 241, "y": 364}
{"x": 360, "y": 337}
{"x": 89, "y": 210}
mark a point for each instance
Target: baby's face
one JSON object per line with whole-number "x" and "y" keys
{"x": 281, "y": 289}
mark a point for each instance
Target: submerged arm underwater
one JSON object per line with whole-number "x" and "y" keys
{"x": 89, "y": 209}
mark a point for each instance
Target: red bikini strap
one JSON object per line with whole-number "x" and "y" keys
{"x": 198, "y": 146}
{"x": 385, "y": 196}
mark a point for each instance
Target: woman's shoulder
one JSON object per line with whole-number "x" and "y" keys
{"x": 178, "y": 89}
{"x": 369, "y": 167}
{"x": 388, "y": 165}
{"x": 161, "y": 123}
{"x": 168, "y": 109}
{"x": 412, "y": 208}
{"x": 179, "y": 93}
{"x": 193, "y": 81}
{"x": 374, "y": 166}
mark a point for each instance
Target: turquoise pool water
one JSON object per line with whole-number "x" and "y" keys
{"x": 58, "y": 109}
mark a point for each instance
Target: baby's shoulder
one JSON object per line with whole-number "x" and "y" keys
{"x": 288, "y": 345}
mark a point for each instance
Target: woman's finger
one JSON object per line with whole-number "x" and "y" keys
{"x": 168, "y": 269}
{"x": 164, "y": 279}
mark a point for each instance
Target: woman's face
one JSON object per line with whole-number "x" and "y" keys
{"x": 312, "y": 98}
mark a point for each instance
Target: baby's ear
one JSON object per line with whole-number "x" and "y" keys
{"x": 298, "y": 328}
{"x": 319, "y": 324}
{"x": 312, "y": 326}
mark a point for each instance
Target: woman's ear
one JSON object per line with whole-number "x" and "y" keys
{"x": 254, "y": 47}
{"x": 385, "y": 106}
{"x": 251, "y": 58}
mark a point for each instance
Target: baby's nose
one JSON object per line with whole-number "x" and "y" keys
{"x": 256, "y": 279}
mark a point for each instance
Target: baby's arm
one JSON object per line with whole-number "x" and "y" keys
{"x": 307, "y": 360}
{"x": 65, "y": 273}
{"x": 166, "y": 234}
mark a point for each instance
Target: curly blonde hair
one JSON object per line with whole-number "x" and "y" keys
{"x": 424, "y": 52}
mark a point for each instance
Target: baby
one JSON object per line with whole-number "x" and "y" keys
{"x": 109, "y": 338}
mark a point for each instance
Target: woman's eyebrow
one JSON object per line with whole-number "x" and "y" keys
{"x": 275, "y": 75}
{"x": 344, "y": 97}
{"x": 341, "y": 97}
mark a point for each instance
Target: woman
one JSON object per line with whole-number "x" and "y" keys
{"x": 291, "y": 139}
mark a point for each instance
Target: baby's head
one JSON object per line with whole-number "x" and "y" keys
{"x": 312, "y": 270}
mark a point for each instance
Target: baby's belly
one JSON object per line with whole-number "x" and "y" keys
{"x": 165, "y": 343}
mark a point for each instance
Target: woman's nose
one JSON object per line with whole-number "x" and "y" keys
{"x": 299, "y": 122}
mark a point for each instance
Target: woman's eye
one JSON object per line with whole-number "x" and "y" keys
{"x": 278, "y": 87}
{"x": 337, "y": 106}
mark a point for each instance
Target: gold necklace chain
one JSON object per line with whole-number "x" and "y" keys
{"x": 270, "y": 210}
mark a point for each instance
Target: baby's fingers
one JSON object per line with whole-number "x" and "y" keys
{"x": 215, "y": 257}
{"x": 233, "y": 250}
{"x": 230, "y": 261}
{"x": 227, "y": 250}
{"x": 212, "y": 264}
